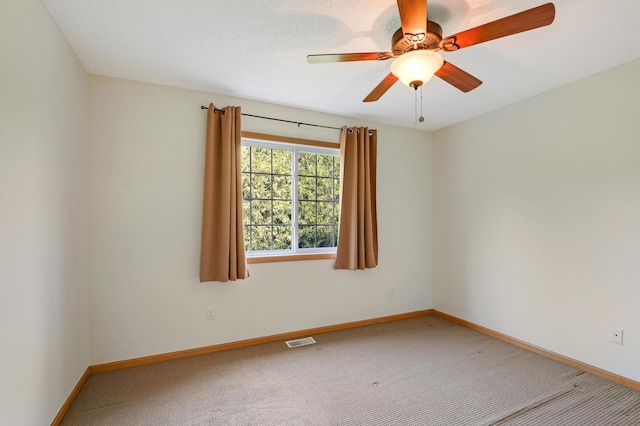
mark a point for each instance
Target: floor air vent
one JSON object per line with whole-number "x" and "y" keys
{"x": 300, "y": 342}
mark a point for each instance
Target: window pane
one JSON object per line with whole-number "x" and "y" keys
{"x": 281, "y": 162}
{"x": 325, "y": 165}
{"x": 261, "y": 236}
{"x": 261, "y": 186}
{"x": 325, "y": 236}
{"x": 307, "y": 212}
{"x": 246, "y": 208}
{"x": 306, "y": 164}
{"x": 269, "y": 190}
{"x": 282, "y": 187}
{"x": 247, "y": 237}
{"x": 282, "y": 212}
{"x": 336, "y": 212}
{"x": 325, "y": 213}
{"x": 245, "y": 165}
{"x": 261, "y": 212}
{"x": 325, "y": 189}
{"x": 306, "y": 188}
{"x": 261, "y": 160}
{"x": 307, "y": 237}
{"x": 282, "y": 238}
{"x": 246, "y": 186}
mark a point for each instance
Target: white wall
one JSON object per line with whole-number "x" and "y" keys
{"x": 146, "y": 172}
{"x": 43, "y": 282}
{"x": 535, "y": 216}
{"x": 537, "y": 220}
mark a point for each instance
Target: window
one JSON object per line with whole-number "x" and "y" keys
{"x": 290, "y": 198}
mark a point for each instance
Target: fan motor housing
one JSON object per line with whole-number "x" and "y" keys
{"x": 400, "y": 45}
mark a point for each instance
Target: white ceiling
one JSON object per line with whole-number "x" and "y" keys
{"x": 256, "y": 49}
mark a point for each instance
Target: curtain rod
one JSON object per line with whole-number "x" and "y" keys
{"x": 299, "y": 123}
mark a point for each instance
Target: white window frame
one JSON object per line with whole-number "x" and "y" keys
{"x": 295, "y": 149}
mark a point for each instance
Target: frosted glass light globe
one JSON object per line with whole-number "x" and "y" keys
{"x": 416, "y": 67}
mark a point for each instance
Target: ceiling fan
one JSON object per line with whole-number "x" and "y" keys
{"x": 415, "y": 47}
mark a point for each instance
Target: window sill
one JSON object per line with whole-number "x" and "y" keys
{"x": 290, "y": 258}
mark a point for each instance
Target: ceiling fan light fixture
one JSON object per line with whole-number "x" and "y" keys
{"x": 416, "y": 67}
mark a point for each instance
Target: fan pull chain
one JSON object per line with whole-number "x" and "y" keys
{"x": 415, "y": 105}
{"x": 421, "y": 119}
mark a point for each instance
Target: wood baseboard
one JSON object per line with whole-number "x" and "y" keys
{"x": 71, "y": 398}
{"x": 153, "y": 359}
{"x": 607, "y": 375}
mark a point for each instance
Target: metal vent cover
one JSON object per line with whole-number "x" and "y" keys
{"x": 300, "y": 342}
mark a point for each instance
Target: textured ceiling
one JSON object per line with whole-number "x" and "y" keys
{"x": 257, "y": 49}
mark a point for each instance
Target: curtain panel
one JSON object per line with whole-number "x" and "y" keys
{"x": 358, "y": 235}
{"x": 222, "y": 254}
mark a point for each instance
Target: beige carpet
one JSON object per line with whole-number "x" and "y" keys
{"x": 422, "y": 371}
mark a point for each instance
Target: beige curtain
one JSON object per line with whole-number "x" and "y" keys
{"x": 358, "y": 235}
{"x": 222, "y": 255}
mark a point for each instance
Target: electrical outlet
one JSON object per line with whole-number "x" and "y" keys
{"x": 210, "y": 313}
{"x": 615, "y": 335}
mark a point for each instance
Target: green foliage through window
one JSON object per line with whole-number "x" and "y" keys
{"x": 290, "y": 197}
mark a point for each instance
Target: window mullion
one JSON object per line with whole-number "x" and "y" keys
{"x": 294, "y": 200}
{"x": 315, "y": 222}
{"x": 271, "y": 199}
{"x": 251, "y": 228}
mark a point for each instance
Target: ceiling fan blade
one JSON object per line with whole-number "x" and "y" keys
{"x": 524, "y": 21}
{"x": 381, "y": 88}
{"x": 348, "y": 57}
{"x": 457, "y": 77}
{"x": 413, "y": 15}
